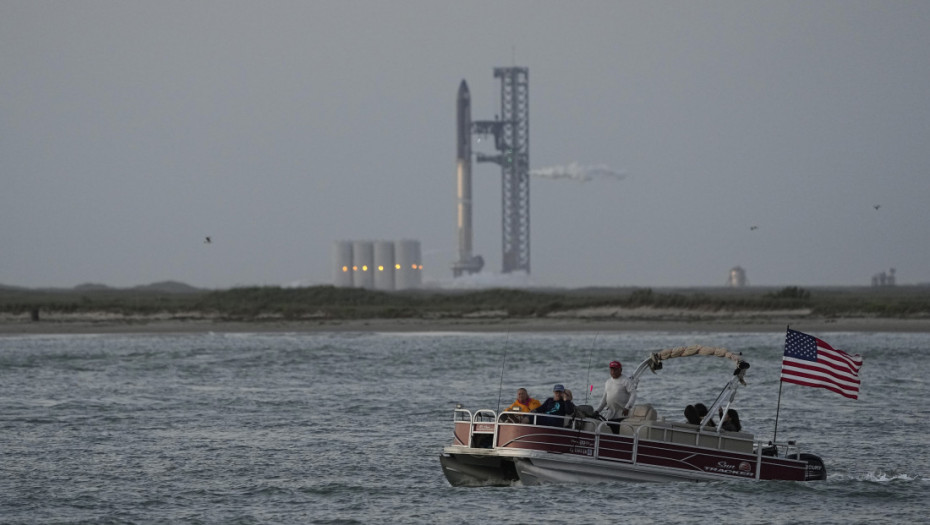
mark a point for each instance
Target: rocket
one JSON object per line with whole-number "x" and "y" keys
{"x": 466, "y": 262}
{"x": 463, "y": 170}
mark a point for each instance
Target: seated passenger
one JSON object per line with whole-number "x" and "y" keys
{"x": 730, "y": 422}
{"x": 691, "y": 415}
{"x": 524, "y": 403}
{"x": 695, "y": 414}
{"x": 555, "y": 408}
{"x": 702, "y": 411}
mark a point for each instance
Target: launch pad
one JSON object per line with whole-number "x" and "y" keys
{"x": 511, "y": 132}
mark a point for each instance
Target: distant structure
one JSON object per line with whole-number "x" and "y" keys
{"x": 511, "y": 131}
{"x": 342, "y": 264}
{"x": 883, "y": 279}
{"x": 377, "y": 265}
{"x": 408, "y": 265}
{"x": 737, "y": 277}
{"x": 468, "y": 263}
{"x": 383, "y": 267}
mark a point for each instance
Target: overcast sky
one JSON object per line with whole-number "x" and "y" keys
{"x": 129, "y": 131}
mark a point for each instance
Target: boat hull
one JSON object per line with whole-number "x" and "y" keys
{"x": 538, "y": 471}
{"x": 478, "y": 468}
{"x": 649, "y": 451}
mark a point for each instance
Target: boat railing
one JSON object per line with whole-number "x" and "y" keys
{"x": 485, "y": 415}
{"x": 484, "y": 424}
{"x": 462, "y": 414}
{"x": 481, "y": 428}
{"x": 606, "y": 428}
{"x": 778, "y": 448}
{"x": 689, "y": 434}
{"x": 517, "y": 418}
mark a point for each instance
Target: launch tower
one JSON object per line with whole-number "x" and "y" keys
{"x": 511, "y": 131}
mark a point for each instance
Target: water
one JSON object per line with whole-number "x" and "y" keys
{"x": 347, "y": 428}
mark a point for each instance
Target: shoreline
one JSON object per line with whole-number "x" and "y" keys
{"x": 681, "y": 323}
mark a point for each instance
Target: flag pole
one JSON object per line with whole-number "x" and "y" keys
{"x": 777, "y": 410}
{"x": 780, "y": 384}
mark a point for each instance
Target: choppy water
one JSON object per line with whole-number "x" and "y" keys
{"x": 347, "y": 428}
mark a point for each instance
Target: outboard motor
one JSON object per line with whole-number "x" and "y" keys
{"x": 815, "y": 471}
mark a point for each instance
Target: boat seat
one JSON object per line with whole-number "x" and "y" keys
{"x": 627, "y": 429}
{"x": 641, "y": 414}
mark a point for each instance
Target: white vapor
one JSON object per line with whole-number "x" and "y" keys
{"x": 577, "y": 172}
{"x": 486, "y": 280}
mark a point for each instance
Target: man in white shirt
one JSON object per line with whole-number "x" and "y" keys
{"x": 617, "y": 394}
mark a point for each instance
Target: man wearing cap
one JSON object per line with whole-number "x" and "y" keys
{"x": 555, "y": 408}
{"x": 617, "y": 394}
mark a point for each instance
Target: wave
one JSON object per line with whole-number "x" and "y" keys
{"x": 877, "y": 477}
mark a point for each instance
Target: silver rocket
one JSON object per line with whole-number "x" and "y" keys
{"x": 467, "y": 263}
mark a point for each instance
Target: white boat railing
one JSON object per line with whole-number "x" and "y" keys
{"x": 487, "y": 422}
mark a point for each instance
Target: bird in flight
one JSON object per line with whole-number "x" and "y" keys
{"x": 877, "y": 206}
{"x": 207, "y": 240}
{"x": 751, "y": 228}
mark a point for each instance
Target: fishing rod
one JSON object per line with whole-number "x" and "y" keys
{"x": 590, "y": 388}
{"x": 500, "y": 388}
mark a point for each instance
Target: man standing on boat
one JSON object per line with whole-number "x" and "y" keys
{"x": 616, "y": 394}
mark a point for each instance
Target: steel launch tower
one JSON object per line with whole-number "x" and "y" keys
{"x": 511, "y": 131}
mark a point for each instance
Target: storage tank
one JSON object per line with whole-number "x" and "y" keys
{"x": 342, "y": 264}
{"x": 363, "y": 261}
{"x": 408, "y": 265}
{"x": 737, "y": 277}
{"x": 384, "y": 265}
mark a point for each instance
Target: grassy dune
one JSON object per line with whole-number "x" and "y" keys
{"x": 327, "y": 302}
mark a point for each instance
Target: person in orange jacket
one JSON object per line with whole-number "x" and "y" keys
{"x": 524, "y": 402}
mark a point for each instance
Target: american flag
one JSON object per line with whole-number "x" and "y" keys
{"x": 809, "y": 361}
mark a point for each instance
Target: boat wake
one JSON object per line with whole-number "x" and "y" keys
{"x": 878, "y": 477}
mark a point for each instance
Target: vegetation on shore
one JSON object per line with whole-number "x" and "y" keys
{"x": 327, "y": 302}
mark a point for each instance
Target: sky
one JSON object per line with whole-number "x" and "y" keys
{"x": 753, "y": 134}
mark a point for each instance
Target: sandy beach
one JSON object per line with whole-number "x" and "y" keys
{"x": 670, "y": 321}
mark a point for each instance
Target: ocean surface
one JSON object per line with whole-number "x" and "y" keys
{"x": 348, "y": 428}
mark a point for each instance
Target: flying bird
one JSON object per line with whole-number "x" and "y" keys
{"x": 207, "y": 240}
{"x": 751, "y": 228}
{"x": 877, "y": 206}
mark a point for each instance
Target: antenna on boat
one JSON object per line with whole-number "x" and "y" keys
{"x": 500, "y": 388}
{"x": 590, "y": 387}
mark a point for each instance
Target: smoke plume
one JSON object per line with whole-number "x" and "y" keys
{"x": 578, "y": 172}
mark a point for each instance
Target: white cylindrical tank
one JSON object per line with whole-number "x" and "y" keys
{"x": 342, "y": 264}
{"x": 363, "y": 261}
{"x": 408, "y": 265}
{"x": 737, "y": 277}
{"x": 384, "y": 265}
